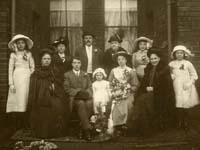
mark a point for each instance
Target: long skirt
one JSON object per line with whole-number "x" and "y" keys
{"x": 17, "y": 102}
{"x": 122, "y": 111}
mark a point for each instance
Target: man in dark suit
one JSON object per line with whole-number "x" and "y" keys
{"x": 91, "y": 56}
{"x": 77, "y": 86}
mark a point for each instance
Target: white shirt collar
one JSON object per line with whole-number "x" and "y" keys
{"x": 76, "y": 72}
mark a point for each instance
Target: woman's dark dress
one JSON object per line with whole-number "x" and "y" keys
{"x": 46, "y": 103}
{"x": 152, "y": 109}
{"x": 62, "y": 66}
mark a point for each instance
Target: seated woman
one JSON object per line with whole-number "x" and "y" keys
{"x": 46, "y": 100}
{"x": 123, "y": 81}
{"x": 154, "y": 105}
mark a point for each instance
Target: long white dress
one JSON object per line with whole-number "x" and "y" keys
{"x": 184, "y": 76}
{"x": 19, "y": 76}
{"x": 101, "y": 94}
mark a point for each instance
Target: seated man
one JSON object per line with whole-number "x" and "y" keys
{"x": 78, "y": 87}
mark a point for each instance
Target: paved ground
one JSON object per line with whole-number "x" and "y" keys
{"x": 174, "y": 139}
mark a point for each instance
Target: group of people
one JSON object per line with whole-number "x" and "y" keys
{"x": 107, "y": 91}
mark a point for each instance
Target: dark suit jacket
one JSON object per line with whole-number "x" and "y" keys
{"x": 73, "y": 84}
{"x": 97, "y": 57}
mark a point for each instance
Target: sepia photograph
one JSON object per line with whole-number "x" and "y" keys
{"x": 99, "y": 74}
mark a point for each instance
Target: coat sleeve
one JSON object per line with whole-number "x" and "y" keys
{"x": 11, "y": 68}
{"x": 33, "y": 87}
{"x": 89, "y": 86}
{"x": 68, "y": 88}
{"x": 134, "y": 80}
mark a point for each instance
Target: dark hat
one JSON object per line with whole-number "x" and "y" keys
{"x": 156, "y": 51}
{"x": 45, "y": 51}
{"x": 88, "y": 33}
{"x": 115, "y": 37}
{"x": 122, "y": 53}
{"x": 82, "y": 95}
{"x": 61, "y": 40}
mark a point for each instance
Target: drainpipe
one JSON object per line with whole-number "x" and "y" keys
{"x": 13, "y": 13}
{"x": 169, "y": 29}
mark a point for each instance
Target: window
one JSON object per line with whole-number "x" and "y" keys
{"x": 121, "y": 18}
{"x": 66, "y": 20}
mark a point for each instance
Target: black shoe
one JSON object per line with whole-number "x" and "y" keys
{"x": 87, "y": 135}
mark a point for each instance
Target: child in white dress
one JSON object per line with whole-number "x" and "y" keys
{"x": 184, "y": 76}
{"x": 101, "y": 91}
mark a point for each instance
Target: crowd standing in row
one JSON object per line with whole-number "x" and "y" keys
{"x": 107, "y": 91}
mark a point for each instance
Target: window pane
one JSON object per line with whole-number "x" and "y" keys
{"x": 66, "y": 13}
{"x": 75, "y": 39}
{"x": 129, "y": 12}
{"x": 74, "y": 13}
{"x": 58, "y": 19}
{"x": 112, "y": 12}
{"x": 56, "y": 33}
{"x": 57, "y": 5}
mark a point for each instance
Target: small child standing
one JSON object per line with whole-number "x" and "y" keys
{"x": 184, "y": 76}
{"x": 101, "y": 91}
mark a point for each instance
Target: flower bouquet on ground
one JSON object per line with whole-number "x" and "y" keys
{"x": 100, "y": 121}
{"x": 36, "y": 145}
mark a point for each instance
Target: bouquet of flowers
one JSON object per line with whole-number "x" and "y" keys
{"x": 36, "y": 145}
{"x": 99, "y": 121}
{"x": 120, "y": 89}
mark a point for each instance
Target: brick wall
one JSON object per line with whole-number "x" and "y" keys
{"x": 32, "y": 19}
{"x": 152, "y": 20}
{"x": 189, "y": 27}
{"x": 4, "y": 38}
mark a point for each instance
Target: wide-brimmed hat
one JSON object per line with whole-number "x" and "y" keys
{"x": 82, "y": 95}
{"x": 182, "y": 48}
{"x": 121, "y": 53}
{"x": 149, "y": 41}
{"x": 85, "y": 33}
{"x": 115, "y": 37}
{"x": 60, "y": 40}
{"x": 99, "y": 70}
{"x": 29, "y": 42}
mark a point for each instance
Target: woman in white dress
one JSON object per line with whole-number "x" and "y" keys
{"x": 124, "y": 83}
{"x": 21, "y": 65}
{"x": 184, "y": 76}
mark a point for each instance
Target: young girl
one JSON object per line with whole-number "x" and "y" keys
{"x": 184, "y": 76}
{"x": 21, "y": 65}
{"x": 101, "y": 91}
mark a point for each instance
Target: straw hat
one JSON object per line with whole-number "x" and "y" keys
{"x": 99, "y": 70}
{"x": 29, "y": 42}
{"x": 182, "y": 48}
{"x": 149, "y": 41}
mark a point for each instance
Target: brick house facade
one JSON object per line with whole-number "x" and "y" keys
{"x": 184, "y": 23}
{"x": 31, "y": 19}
